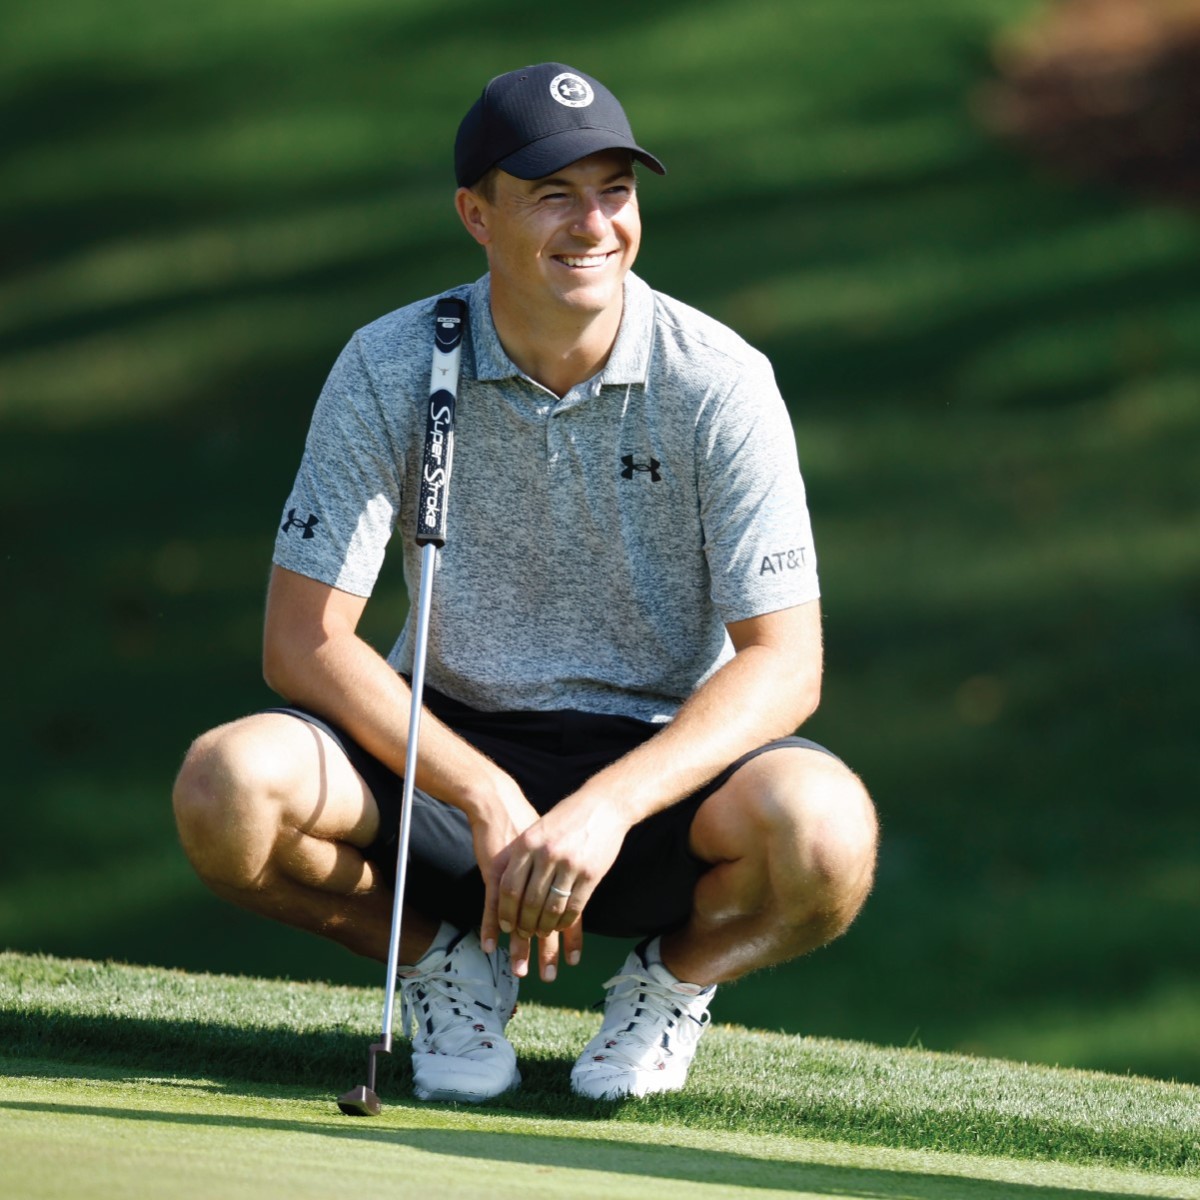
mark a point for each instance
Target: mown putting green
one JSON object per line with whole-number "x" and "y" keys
{"x": 97, "y": 1135}
{"x": 131, "y": 1082}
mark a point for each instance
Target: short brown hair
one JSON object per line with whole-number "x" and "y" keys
{"x": 485, "y": 185}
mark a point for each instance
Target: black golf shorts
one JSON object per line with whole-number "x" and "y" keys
{"x": 550, "y": 754}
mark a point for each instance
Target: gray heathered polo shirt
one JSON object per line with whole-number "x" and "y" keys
{"x": 597, "y": 544}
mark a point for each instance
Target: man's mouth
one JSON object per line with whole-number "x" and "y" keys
{"x": 584, "y": 262}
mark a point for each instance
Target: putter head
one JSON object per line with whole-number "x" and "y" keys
{"x": 360, "y": 1102}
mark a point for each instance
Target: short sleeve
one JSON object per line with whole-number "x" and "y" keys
{"x": 338, "y": 519}
{"x": 757, "y": 530}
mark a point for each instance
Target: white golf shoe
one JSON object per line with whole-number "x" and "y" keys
{"x": 460, "y": 999}
{"x": 652, "y": 1024}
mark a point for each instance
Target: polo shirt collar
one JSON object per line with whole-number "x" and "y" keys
{"x": 628, "y": 363}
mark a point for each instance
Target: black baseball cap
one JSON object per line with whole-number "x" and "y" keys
{"x": 534, "y": 121}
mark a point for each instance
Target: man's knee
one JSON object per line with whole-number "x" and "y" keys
{"x": 226, "y": 804}
{"x": 819, "y": 832}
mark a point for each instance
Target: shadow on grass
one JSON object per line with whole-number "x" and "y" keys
{"x": 133, "y": 1046}
{"x": 268, "y": 1058}
{"x": 650, "y": 1161}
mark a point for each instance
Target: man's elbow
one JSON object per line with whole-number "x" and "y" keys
{"x": 280, "y": 664}
{"x": 807, "y": 696}
{"x": 274, "y": 668}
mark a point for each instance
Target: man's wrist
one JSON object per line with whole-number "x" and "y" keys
{"x": 613, "y": 802}
{"x": 486, "y": 794}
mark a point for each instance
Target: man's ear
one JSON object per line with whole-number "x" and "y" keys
{"x": 472, "y": 211}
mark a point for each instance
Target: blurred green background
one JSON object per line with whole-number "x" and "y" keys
{"x": 994, "y": 381}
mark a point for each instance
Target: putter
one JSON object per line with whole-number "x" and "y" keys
{"x": 363, "y": 1101}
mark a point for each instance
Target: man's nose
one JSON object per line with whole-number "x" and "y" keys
{"x": 591, "y": 220}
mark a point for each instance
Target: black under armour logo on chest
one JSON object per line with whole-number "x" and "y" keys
{"x": 631, "y": 467}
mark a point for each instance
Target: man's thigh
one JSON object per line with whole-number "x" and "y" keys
{"x": 443, "y": 880}
{"x": 303, "y": 768}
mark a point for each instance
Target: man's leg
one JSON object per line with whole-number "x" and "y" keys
{"x": 792, "y": 839}
{"x": 274, "y": 818}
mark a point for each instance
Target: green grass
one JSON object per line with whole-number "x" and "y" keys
{"x": 191, "y": 1037}
{"x": 992, "y": 375}
{"x": 102, "y": 1134}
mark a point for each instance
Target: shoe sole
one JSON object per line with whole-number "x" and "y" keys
{"x": 463, "y": 1093}
{"x": 635, "y": 1089}
{"x": 459, "y": 1096}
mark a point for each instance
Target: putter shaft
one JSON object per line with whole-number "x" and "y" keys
{"x": 450, "y": 320}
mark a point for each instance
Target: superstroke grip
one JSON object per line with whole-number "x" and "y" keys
{"x": 437, "y": 457}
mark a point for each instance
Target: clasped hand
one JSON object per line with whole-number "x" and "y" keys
{"x": 540, "y": 872}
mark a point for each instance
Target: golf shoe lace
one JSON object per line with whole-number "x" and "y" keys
{"x": 447, "y": 1019}
{"x": 642, "y": 1014}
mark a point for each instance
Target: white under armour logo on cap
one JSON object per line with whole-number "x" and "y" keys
{"x": 571, "y": 90}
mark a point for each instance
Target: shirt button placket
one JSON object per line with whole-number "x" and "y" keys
{"x": 553, "y": 440}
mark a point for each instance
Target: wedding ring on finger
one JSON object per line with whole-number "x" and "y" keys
{"x": 560, "y": 891}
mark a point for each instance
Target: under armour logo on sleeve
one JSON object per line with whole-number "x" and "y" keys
{"x": 308, "y": 526}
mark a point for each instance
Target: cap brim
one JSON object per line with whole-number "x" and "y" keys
{"x": 558, "y": 150}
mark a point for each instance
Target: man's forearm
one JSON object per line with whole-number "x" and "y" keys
{"x": 764, "y": 692}
{"x": 341, "y": 677}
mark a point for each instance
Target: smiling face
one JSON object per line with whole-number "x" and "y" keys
{"x": 560, "y": 245}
